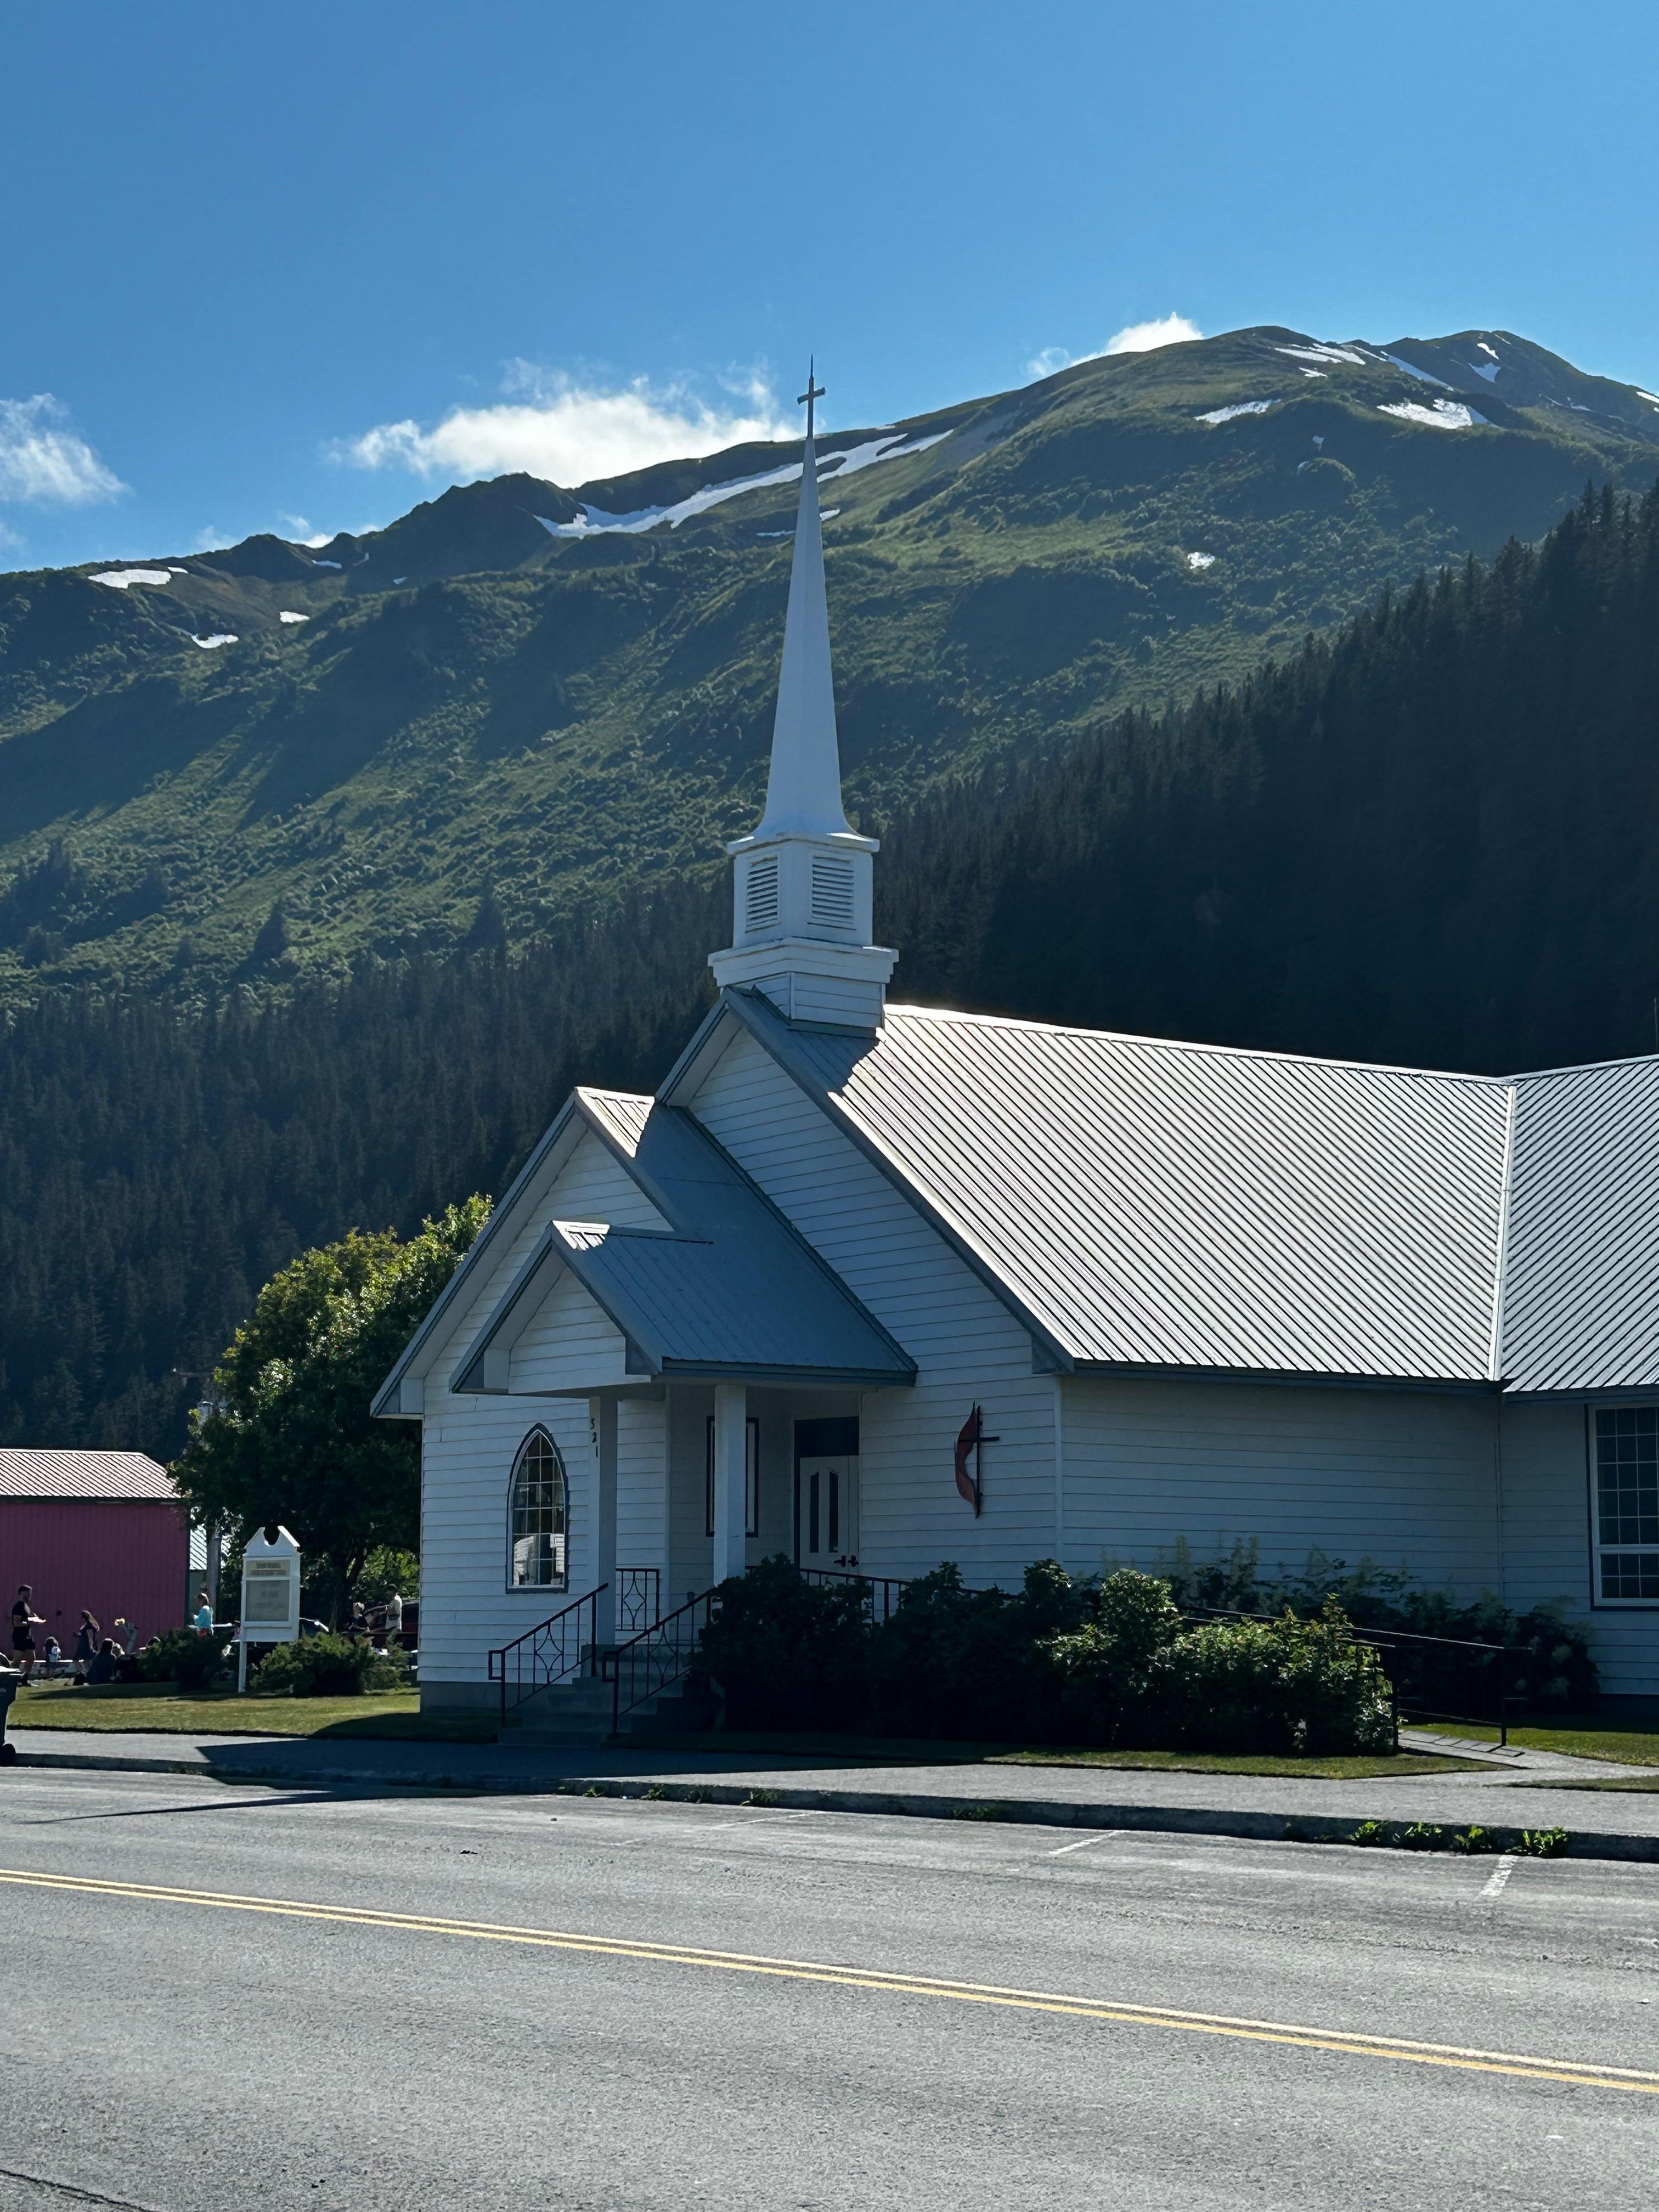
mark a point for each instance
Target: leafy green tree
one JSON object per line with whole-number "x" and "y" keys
{"x": 295, "y": 1442}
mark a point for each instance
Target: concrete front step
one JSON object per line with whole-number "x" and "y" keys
{"x": 580, "y": 1712}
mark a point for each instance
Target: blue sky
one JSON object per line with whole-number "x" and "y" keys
{"x": 296, "y": 269}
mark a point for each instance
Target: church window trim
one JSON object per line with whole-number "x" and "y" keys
{"x": 1624, "y": 1506}
{"x": 539, "y": 1517}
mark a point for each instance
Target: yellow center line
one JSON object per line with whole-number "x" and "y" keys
{"x": 1353, "y": 2042}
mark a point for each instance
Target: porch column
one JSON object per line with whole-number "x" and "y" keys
{"x": 602, "y": 1416}
{"x": 730, "y": 1471}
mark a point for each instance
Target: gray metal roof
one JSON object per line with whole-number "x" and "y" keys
{"x": 1165, "y": 1205}
{"x": 1581, "y": 1288}
{"x": 101, "y": 1476}
{"x": 732, "y": 1290}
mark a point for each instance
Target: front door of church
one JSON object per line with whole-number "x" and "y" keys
{"x": 827, "y": 1495}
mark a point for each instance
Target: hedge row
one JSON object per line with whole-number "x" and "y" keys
{"x": 1110, "y": 1663}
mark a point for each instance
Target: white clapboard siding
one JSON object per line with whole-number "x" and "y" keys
{"x": 570, "y": 1345}
{"x": 595, "y": 1186}
{"x": 1403, "y": 1478}
{"x": 966, "y": 1344}
{"x": 1547, "y": 1533}
{"x": 466, "y": 1464}
{"x": 470, "y": 1442}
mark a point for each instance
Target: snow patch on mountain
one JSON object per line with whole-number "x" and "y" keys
{"x": 1421, "y": 374}
{"x": 288, "y": 615}
{"x": 1322, "y": 352}
{"x": 1440, "y": 415}
{"x": 1243, "y": 407}
{"x": 219, "y": 638}
{"x": 325, "y": 564}
{"x": 119, "y": 578}
{"x": 593, "y": 520}
{"x": 1200, "y": 560}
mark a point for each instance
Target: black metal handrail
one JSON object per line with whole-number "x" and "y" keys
{"x": 562, "y": 1644}
{"x": 639, "y": 1599}
{"x": 658, "y": 1657}
{"x": 1415, "y": 1657}
{"x": 891, "y": 1589}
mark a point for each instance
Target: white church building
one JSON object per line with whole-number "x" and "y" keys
{"x": 1174, "y": 1291}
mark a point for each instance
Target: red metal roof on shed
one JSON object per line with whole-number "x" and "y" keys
{"x": 91, "y": 1474}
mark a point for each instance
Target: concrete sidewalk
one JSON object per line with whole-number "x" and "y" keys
{"x": 1601, "y": 1824}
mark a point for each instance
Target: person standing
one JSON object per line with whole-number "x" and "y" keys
{"x": 394, "y": 1621}
{"x": 87, "y": 1641}
{"x": 24, "y": 1622}
{"x": 203, "y": 1616}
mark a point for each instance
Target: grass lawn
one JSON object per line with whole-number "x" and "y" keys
{"x": 1581, "y": 1735}
{"x": 118, "y": 1708}
{"x": 888, "y": 1751}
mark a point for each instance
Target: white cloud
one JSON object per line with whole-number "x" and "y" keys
{"x": 571, "y": 433}
{"x": 41, "y": 458}
{"x": 1134, "y": 338}
{"x": 299, "y": 531}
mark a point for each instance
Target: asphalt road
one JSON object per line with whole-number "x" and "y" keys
{"x": 434, "y": 2004}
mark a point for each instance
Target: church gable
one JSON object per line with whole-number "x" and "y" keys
{"x": 567, "y": 1345}
{"x": 580, "y": 1171}
{"x": 593, "y": 1185}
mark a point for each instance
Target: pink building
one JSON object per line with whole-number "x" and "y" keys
{"x": 99, "y": 1529}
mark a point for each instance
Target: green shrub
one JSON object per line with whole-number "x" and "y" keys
{"x": 976, "y": 1664}
{"x": 1053, "y": 1662}
{"x": 194, "y": 1662}
{"x": 1549, "y": 1665}
{"x": 1272, "y": 1685}
{"x": 1106, "y": 1668}
{"x": 325, "y": 1666}
{"x": 786, "y": 1653}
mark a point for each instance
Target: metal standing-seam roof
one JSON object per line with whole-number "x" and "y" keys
{"x": 731, "y": 1289}
{"x": 1166, "y": 1204}
{"x": 95, "y": 1476}
{"x": 1581, "y": 1286}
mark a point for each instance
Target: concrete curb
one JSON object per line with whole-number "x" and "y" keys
{"x": 1035, "y": 1812}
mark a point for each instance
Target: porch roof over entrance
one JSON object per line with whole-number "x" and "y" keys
{"x": 729, "y": 1291}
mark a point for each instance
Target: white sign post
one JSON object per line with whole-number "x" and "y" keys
{"x": 270, "y": 1597}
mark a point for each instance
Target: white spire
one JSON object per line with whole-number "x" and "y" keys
{"x": 803, "y": 791}
{"x": 801, "y": 885}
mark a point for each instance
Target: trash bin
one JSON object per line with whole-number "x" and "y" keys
{"x": 10, "y": 1678}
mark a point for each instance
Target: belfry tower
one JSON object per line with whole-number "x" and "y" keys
{"x": 801, "y": 889}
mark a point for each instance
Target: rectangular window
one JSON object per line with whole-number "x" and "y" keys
{"x": 1625, "y": 1505}
{"x": 752, "y": 1517}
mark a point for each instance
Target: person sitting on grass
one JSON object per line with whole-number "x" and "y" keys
{"x": 104, "y": 1666}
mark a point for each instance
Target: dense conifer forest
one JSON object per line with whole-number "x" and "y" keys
{"x": 1432, "y": 838}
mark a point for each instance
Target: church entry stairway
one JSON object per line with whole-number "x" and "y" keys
{"x": 552, "y": 1680}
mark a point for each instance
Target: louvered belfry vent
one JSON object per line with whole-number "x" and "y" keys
{"x": 759, "y": 905}
{"x": 832, "y": 891}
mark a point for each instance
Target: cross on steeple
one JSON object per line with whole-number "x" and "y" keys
{"x": 814, "y": 390}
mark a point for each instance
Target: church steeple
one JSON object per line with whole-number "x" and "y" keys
{"x": 802, "y": 879}
{"x": 802, "y": 790}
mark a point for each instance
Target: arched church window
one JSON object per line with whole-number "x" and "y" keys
{"x": 539, "y": 1517}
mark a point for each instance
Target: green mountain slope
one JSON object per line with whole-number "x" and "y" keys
{"x": 1431, "y": 839}
{"x": 505, "y": 694}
